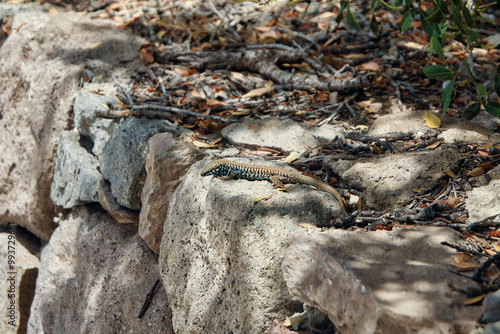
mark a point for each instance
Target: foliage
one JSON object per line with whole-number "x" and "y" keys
{"x": 447, "y": 19}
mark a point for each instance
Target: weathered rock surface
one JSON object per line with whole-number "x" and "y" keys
{"x": 221, "y": 252}
{"x": 76, "y": 174}
{"x": 393, "y": 282}
{"x": 17, "y": 282}
{"x": 123, "y": 160}
{"x": 388, "y": 181}
{"x": 41, "y": 65}
{"x": 284, "y": 135}
{"x": 483, "y": 204}
{"x": 168, "y": 161}
{"x": 95, "y": 275}
{"x": 408, "y": 121}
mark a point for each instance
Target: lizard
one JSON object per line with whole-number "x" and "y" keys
{"x": 226, "y": 169}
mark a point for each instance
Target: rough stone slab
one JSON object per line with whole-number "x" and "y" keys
{"x": 483, "y": 205}
{"x": 123, "y": 160}
{"x": 94, "y": 277}
{"x": 388, "y": 181}
{"x": 76, "y": 175}
{"x": 41, "y": 65}
{"x": 93, "y": 128}
{"x": 408, "y": 121}
{"x": 381, "y": 282}
{"x": 224, "y": 251}
{"x": 283, "y": 135}
{"x": 168, "y": 161}
{"x": 17, "y": 285}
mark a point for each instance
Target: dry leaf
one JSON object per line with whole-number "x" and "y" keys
{"x": 434, "y": 145}
{"x": 483, "y": 153}
{"x": 490, "y": 252}
{"x": 370, "y": 66}
{"x": 310, "y": 226}
{"x": 496, "y": 247}
{"x": 474, "y": 300}
{"x": 485, "y": 146}
{"x": 291, "y": 158}
{"x": 95, "y": 45}
{"x": 268, "y": 150}
{"x": 465, "y": 266}
{"x": 257, "y": 92}
{"x": 201, "y": 144}
{"x": 53, "y": 10}
{"x": 478, "y": 171}
{"x": 448, "y": 172}
{"x": 461, "y": 257}
{"x": 431, "y": 120}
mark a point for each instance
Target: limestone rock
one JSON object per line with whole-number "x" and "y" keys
{"x": 168, "y": 160}
{"x": 41, "y": 64}
{"x": 222, "y": 250}
{"x": 284, "y": 135}
{"x": 76, "y": 175}
{"x": 381, "y": 282}
{"x": 123, "y": 160}
{"x": 483, "y": 204}
{"x": 388, "y": 181}
{"x": 17, "y": 282}
{"x": 95, "y": 274}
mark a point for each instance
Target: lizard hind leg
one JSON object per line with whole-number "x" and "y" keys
{"x": 277, "y": 183}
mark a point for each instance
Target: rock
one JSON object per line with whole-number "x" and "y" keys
{"x": 109, "y": 203}
{"x": 223, "y": 244}
{"x": 76, "y": 175}
{"x": 483, "y": 204}
{"x": 17, "y": 282}
{"x": 491, "y": 308}
{"x": 463, "y": 136}
{"x": 286, "y": 136}
{"x": 167, "y": 162}
{"x": 95, "y": 274}
{"x": 408, "y": 121}
{"x": 41, "y": 65}
{"x": 123, "y": 160}
{"x": 94, "y": 129}
{"x": 380, "y": 282}
{"x": 388, "y": 181}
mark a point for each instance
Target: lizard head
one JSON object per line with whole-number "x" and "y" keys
{"x": 213, "y": 167}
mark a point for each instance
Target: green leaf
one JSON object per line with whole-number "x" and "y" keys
{"x": 430, "y": 29}
{"x": 442, "y": 6}
{"x": 497, "y": 84}
{"x": 387, "y": 7}
{"x": 493, "y": 108}
{"x": 438, "y": 72}
{"x": 351, "y": 20}
{"x": 436, "y": 46}
{"x": 437, "y": 17}
{"x": 374, "y": 26}
{"x": 446, "y": 96}
{"x": 468, "y": 18}
{"x": 457, "y": 19}
{"x": 472, "y": 35}
{"x": 343, "y": 6}
{"x": 472, "y": 110}
{"x": 407, "y": 20}
{"x": 481, "y": 90}
{"x": 374, "y": 5}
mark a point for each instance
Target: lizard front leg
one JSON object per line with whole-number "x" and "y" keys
{"x": 232, "y": 175}
{"x": 276, "y": 180}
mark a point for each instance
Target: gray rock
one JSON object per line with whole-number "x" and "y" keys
{"x": 95, "y": 128}
{"x": 41, "y": 64}
{"x": 493, "y": 328}
{"x": 76, "y": 175}
{"x": 168, "y": 161}
{"x": 380, "y": 282}
{"x": 483, "y": 204}
{"x": 123, "y": 160}
{"x": 17, "y": 282}
{"x": 388, "y": 181}
{"x": 222, "y": 250}
{"x": 94, "y": 277}
{"x": 491, "y": 308}
{"x": 283, "y": 135}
